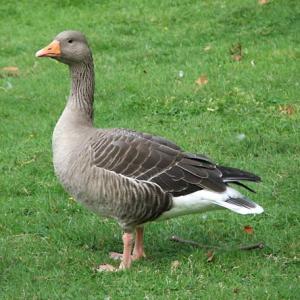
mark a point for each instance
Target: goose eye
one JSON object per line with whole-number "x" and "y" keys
{"x": 70, "y": 41}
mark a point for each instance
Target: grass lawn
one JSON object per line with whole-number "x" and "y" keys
{"x": 148, "y": 54}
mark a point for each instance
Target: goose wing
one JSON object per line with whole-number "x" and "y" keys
{"x": 155, "y": 159}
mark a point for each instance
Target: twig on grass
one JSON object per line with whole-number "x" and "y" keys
{"x": 178, "y": 239}
{"x": 259, "y": 245}
{"x": 174, "y": 238}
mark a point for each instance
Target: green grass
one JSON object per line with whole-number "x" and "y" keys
{"x": 49, "y": 244}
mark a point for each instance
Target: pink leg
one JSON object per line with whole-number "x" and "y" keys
{"x": 126, "y": 258}
{"x": 138, "y": 251}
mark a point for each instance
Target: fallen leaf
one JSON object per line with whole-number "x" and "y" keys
{"x": 236, "y": 52}
{"x": 263, "y": 2}
{"x": 248, "y": 229}
{"x": 175, "y": 264}
{"x": 237, "y": 57}
{"x": 210, "y": 256}
{"x": 202, "y": 80}
{"x": 287, "y": 109}
{"x": 10, "y": 71}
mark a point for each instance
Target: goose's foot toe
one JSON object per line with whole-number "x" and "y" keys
{"x": 116, "y": 255}
{"x": 106, "y": 268}
{"x": 119, "y": 256}
{"x": 124, "y": 265}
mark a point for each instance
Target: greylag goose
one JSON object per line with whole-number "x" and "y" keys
{"x": 130, "y": 176}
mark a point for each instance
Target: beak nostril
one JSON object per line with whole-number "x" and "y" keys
{"x": 51, "y": 50}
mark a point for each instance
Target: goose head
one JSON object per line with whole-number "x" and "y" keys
{"x": 69, "y": 47}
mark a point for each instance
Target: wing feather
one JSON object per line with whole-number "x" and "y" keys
{"x": 146, "y": 157}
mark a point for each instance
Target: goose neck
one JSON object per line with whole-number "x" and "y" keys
{"x": 81, "y": 96}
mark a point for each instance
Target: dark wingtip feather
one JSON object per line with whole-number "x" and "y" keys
{"x": 243, "y": 185}
{"x": 233, "y": 174}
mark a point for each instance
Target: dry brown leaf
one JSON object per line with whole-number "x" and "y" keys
{"x": 10, "y": 71}
{"x": 175, "y": 264}
{"x": 202, "y": 80}
{"x": 263, "y": 2}
{"x": 237, "y": 57}
{"x": 248, "y": 229}
{"x": 287, "y": 109}
{"x": 210, "y": 256}
{"x": 236, "y": 52}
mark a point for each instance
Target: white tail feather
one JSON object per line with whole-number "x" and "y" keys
{"x": 205, "y": 200}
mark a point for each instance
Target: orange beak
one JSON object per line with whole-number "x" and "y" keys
{"x": 52, "y": 50}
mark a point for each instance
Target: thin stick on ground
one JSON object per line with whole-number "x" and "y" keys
{"x": 174, "y": 238}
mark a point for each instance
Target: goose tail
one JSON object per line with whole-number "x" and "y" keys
{"x": 205, "y": 200}
{"x": 238, "y": 203}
